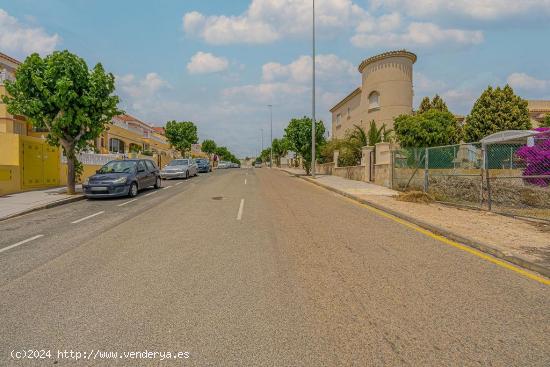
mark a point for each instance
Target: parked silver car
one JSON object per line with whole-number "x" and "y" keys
{"x": 223, "y": 165}
{"x": 180, "y": 168}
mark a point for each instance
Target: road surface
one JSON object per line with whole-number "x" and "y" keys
{"x": 254, "y": 267}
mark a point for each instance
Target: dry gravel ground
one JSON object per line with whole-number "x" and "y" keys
{"x": 306, "y": 278}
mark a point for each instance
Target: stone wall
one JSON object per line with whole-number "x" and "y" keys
{"x": 356, "y": 173}
{"x": 324, "y": 168}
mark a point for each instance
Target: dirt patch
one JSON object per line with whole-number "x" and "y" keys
{"x": 415, "y": 197}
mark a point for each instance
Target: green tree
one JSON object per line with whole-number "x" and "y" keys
{"x": 265, "y": 155}
{"x": 497, "y": 109}
{"x": 425, "y": 105}
{"x": 428, "y": 129}
{"x": 59, "y": 93}
{"x": 436, "y": 103}
{"x": 546, "y": 121}
{"x": 280, "y": 149}
{"x": 181, "y": 135}
{"x": 209, "y": 147}
{"x": 298, "y": 135}
{"x": 223, "y": 153}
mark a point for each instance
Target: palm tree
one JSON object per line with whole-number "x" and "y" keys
{"x": 378, "y": 135}
{"x": 358, "y": 136}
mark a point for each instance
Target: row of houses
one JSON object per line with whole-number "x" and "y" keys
{"x": 125, "y": 134}
{"x": 27, "y": 162}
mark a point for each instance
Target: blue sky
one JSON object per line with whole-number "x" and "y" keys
{"x": 219, "y": 63}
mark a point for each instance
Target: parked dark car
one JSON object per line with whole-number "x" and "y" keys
{"x": 204, "y": 165}
{"x": 121, "y": 178}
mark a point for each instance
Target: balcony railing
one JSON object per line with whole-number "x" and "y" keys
{"x": 152, "y": 136}
{"x": 95, "y": 159}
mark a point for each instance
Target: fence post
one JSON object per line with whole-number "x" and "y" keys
{"x": 482, "y": 176}
{"x": 426, "y": 169}
{"x": 486, "y": 165}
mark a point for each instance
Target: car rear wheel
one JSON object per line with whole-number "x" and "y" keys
{"x": 133, "y": 190}
{"x": 157, "y": 183}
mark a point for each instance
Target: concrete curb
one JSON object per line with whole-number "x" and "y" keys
{"x": 438, "y": 230}
{"x": 53, "y": 204}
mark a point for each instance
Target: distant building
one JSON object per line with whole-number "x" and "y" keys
{"x": 538, "y": 109}
{"x": 9, "y": 123}
{"x": 386, "y": 92}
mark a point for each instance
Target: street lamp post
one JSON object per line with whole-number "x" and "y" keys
{"x": 271, "y": 134}
{"x": 313, "y": 102}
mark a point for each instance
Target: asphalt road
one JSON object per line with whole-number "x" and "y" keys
{"x": 253, "y": 267}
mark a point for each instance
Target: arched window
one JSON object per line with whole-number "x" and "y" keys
{"x": 374, "y": 100}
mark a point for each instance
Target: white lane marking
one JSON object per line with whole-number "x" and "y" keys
{"x": 88, "y": 217}
{"x": 240, "y": 213}
{"x": 151, "y": 193}
{"x": 179, "y": 183}
{"x": 167, "y": 187}
{"x": 245, "y": 181}
{"x": 21, "y": 242}
{"x": 127, "y": 202}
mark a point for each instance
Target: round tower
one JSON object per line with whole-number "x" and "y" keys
{"x": 387, "y": 90}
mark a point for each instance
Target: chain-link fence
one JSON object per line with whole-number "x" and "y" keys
{"x": 518, "y": 176}
{"x": 509, "y": 175}
{"x": 408, "y": 169}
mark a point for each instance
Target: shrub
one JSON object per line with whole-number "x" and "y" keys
{"x": 537, "y": 158}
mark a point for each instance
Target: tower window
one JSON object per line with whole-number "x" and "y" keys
{"x": 374, "y": 100}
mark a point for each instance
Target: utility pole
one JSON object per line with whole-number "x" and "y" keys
{"x": 271, "y": 134}
{"x": 262, "y": 132}
{"x": 313, "y": 103}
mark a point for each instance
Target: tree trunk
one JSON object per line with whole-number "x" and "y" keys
{"x": 307, "y": 167}
{"x": 71, "y": 171}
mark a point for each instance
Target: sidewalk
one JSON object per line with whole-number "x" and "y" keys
{"x": 521, "y": 242}
{"x": 12, "y": 205}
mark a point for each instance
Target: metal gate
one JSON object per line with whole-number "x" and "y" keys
{"x": 372, "y": 162}
{"x": 40, "y": 163}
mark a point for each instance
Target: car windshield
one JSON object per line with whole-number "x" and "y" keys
{"x": 179, "y": 162}
{"x": 118, "y": 167}
{"x": 202, "y": 161}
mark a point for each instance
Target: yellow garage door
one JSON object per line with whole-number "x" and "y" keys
{"x": 51, "y": 165}
{"x": 40, "y": 164}
{"x": 33, "y": 173}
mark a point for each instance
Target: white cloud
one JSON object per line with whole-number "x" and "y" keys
{"x": 474, "y": 9}
{"x": 269, "y": 20}
{"x": 526, "y": 82}
{"x": 289, "y": 85}
{"x": 203, "y": 63}
{"x": 418, "y": 35}
{"x": 328, "y": 67}
{"x": 265, "y": 92}
{"x": 384, "y": 23}
{"x": 21, "y": 40}
{"x": 138, "y": 93}
{"x": 424, "y": 85}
